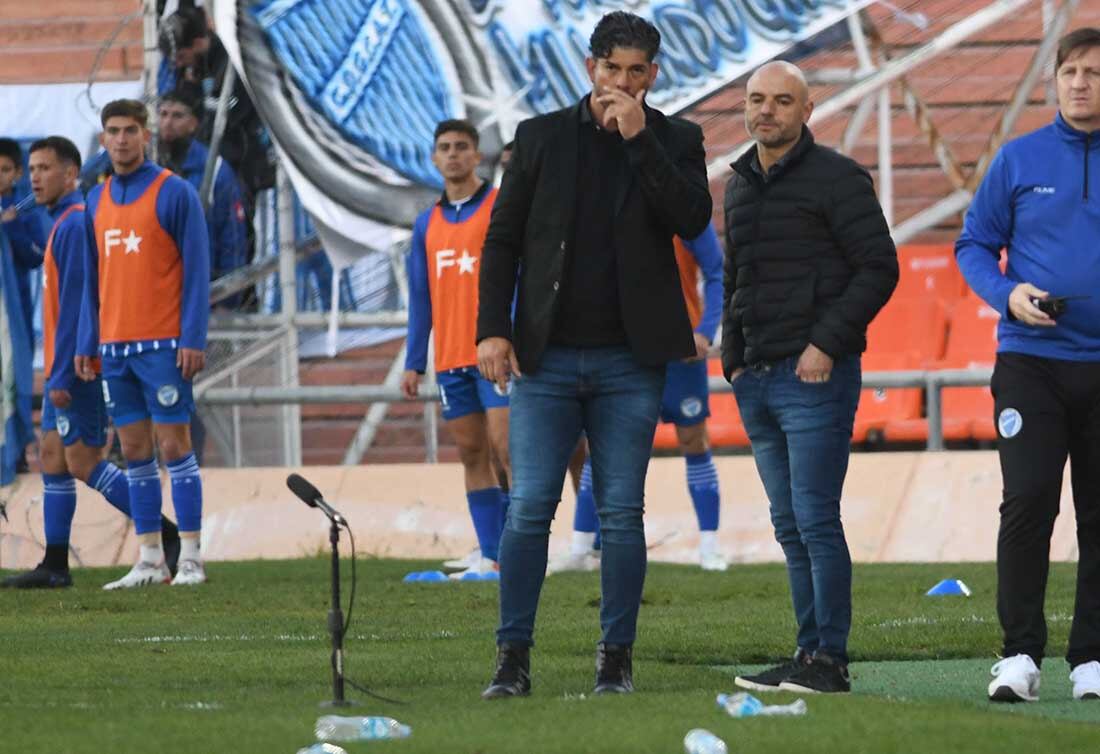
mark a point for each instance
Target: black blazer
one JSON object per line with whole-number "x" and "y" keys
{"x": 532, "y": 225}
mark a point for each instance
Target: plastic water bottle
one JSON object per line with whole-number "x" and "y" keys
{"x": 322, "y": 749}
{"x": 747, "y": 705}
{"x": 699, "y": 741}
{"x": 337, "y": 728}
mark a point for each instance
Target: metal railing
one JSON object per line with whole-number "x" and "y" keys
{"x": 932, "y": 381}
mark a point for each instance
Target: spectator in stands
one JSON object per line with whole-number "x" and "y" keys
{"x": 590, "y": 203}
{"x": 1039, "y": 201}
{"x": 443, "y": 266}
{"x": 685, "y": 404}
{"x": 24, "y": 226}
{"x": 193, "y": 55}
{"x": 809, "y": 262}
{"x": 74, "y": 417}
{"x": 145, "y": 312}
{"x": 181, "y": 152}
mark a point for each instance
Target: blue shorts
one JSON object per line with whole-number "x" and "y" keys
{"x": 85, "y": 419}
{"x": 147, "y": 384}
{"x": 464, "y": 391}
{"x": 687, "y": 399}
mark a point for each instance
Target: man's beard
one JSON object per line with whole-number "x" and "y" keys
{"x": 171, "y": 154}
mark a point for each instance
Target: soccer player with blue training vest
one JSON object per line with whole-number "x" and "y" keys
{"x": 443, "y": 267}
{"x": 145, "y": 313}
{"x": 74, "y": 417}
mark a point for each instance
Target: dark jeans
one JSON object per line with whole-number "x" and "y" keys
{"x": 1046, "y": 410}
{"x": 800, "y": 434}
{"x": 606, "y": 394}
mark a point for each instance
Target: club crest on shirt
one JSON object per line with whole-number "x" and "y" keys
{"x": 1009, "y": 423}
{"x": 168, "y": 395}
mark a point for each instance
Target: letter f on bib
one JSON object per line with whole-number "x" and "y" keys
{"x": 111, "y": 237}
{"x": 444, "y": 258}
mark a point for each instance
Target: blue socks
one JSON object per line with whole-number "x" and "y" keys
{"x": 58, "y": 507}
{"x": 145, "y": 501}
{"x": 702, "y": 481}
{"x": 110, "y": 481}
{"x": 485, "y": 511}
{"x": 186, "y": 493}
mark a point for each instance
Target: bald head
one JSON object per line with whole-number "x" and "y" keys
{"x": 777, "y": 104}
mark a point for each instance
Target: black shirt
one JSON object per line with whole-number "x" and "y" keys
{"x": 589, "y": 313}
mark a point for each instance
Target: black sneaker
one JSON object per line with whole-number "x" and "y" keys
{"x": 513, "y": 676}
{"x": 824, "y": 675}
{"x": 614, "y": 671}
{"x": 39, "y": 578}
{"x": 769, "y": 680}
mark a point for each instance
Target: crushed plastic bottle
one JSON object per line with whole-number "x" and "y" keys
{"x": 322, "y": 749}
{"x": 747, "y": 705}
{"x": 699, "y": 741}
{"x": 338, "y": 728}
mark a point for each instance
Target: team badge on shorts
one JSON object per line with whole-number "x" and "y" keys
{"x": 1009, "y": 423}
{"x": 691, "y": 407}
{"x": 505, "y": 392}
{"x": 63, "y": 426}
{"x": 168, "y": 395}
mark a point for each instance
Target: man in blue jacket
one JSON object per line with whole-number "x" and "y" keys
{"x": 178, "y": 119}
{"x": 1041, "y": 202}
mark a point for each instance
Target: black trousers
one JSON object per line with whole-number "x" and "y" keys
{"x": 1046, "y": 410}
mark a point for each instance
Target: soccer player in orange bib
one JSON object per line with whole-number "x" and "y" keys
{"x": 74, "y": 419}
{"x": 145, "y": 310}
{"x": 443, "y": 271}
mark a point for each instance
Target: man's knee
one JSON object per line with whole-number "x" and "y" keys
{"x": 174, "y": 443}
{"x": 51, "y": 455}
{"x": 693, "y": 439}
{"x": 531, "y": 518}
{"x": 81, "y": 460}
{"x": 622, "y": 526}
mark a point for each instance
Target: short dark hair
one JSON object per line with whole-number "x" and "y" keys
{"x": 65, "y": 150}
{"x": 622, "y": 29}
{"x": 461, "y": 126}
{"x": 125, "y": 108}
{"x": 1078, "y": 39}
{"x": 189, "y": 97}
{"x": 10, "y": 148}
{"x": 181, "y": 29}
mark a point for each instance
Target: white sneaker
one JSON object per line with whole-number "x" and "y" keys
{"x": 1015, "y": 679}
{"x": 712, "y": 561}
{"x": 484, "y": 570}
{"x": 574, "y": 561}
{"x": 142, "y": 574}
{"x": 1086, "y": 681}
{"x": 189, "y": 573}
{"x": 462, "y": 564}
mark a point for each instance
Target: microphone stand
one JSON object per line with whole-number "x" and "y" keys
{"x": 336, "y": 623}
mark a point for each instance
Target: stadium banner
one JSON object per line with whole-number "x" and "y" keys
{"x": 352, "y": 89}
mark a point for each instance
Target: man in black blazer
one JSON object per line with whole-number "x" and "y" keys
{"x": 584, "y": 221}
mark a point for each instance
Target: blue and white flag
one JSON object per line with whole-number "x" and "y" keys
{"x": 353, "y": 89}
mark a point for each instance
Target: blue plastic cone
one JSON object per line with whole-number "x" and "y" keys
{"x": 949, "y": 587}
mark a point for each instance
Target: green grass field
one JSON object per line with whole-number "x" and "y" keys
{"x": 240, "y": 665}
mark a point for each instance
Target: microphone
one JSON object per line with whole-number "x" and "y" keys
{"x": 311, "y": 496}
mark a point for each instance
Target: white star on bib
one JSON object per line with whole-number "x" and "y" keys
{"x": 466, "y": 263}
{"x": 133, "y": 242}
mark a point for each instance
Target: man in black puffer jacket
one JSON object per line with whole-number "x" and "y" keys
{"x": 809, "y": 262}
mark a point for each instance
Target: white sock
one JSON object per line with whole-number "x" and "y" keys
{"x": 583, "y": 542}
{"x": 151, "y": 554}
{"x": 708, "y": 542}
{"x": 189, "y": 548}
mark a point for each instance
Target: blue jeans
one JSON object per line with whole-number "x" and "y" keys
{"x": 800, "y": 434}
{"x": 605, "y": 393}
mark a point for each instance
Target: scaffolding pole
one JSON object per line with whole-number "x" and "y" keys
{"x": 288, "y": 284}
